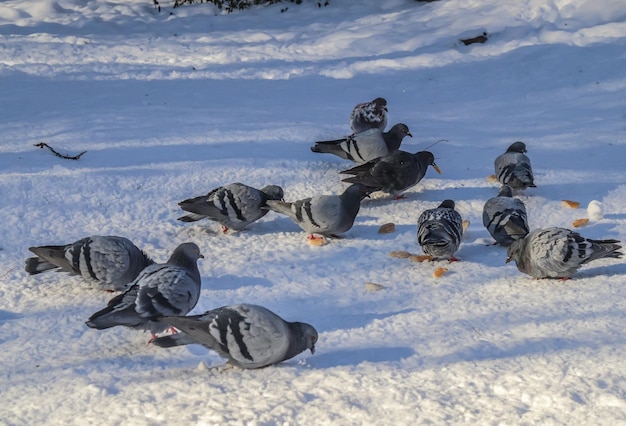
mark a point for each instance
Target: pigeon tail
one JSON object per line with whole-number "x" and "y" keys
{"x": 54, "y": 255}
{"x": 178, "y": 339}
{"x": 37, "y": 265}
{"x": 331, "y": 147}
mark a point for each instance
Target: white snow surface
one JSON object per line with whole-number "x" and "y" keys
{"x": 170, "y": 105}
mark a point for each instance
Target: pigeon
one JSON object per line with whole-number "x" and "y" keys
{"x": 393, "y": 173}
{"x": 234, "y": 206}
{"x": 106, "y": 262}
{"x": 558, "y": 252}
{"x": 369, "y": 115}
{"x": 513, "y": 167}
{"x": 249, "y": 336}
{"x": 365, "y": 146}
{"x": 505, "y": 217}
{"x": 439, "y": 231}
{"x": 324, "y": 214}
{"x": 170, "y": 288}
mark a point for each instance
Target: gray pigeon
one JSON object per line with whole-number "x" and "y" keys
{"x": 505, "y": 217}
{"x": 439, "y": 231}
{"x": 324, "y": 214}
{"x": 249, "y": 336}
{"x": 365, "y": 146}
{"x": 369, "y": 115}
{"x": 171, "y": 288}
{"x": 513, "y": 167}
{"x": 106, "y": 262}
{"x": 234, "y": 206}
{"x": 393, "y": 173}
{"x": 558, "y": 252}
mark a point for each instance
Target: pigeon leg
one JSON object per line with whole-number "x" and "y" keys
{"x": 339, "y": 237}
{"x": 224, "y": 229}
{"x": 400, "y": 197}
{"x": 453, "y": 259}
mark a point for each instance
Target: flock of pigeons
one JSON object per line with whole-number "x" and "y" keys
{"x": 157, "y": 297}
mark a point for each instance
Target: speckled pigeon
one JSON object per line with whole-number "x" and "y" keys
{"x": 513, "y": 167}
{"x": 365, "y": 146}
{"x": 105, "y": 262}
{"x": 558, "y": 252}
{"x": 249, "y": 336}
{"x": 171, "y": 288}
{"x": 505, "y": 217}
{"x": 369, "y": 115}
{"x": 234, "y": 206}
{"x": 439, "y": 231}
{"x": 324, "y": 214}
{"x": 393, "y": 173}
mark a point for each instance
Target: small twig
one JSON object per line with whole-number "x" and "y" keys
{"x": 440, "y": 140}
{"x": 67, "y": 157}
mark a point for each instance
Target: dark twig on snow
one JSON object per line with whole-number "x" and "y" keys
{"x": 440, "y": 140}
{"x": 67, "y": 157}
{"x": 478, "y": 39}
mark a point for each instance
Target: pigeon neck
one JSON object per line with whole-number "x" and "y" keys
{"x": 298, "y": 341}
{"x": 180, "y": 259}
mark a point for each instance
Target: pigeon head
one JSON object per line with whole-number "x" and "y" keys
{"x": 184, "y": 253}
{"x": 273, "y": 192}
{"x": 310, "y": 336}
{"x": 517, "y": 147}
{"x": 381, "y": 103}
{"x": 514, "y": 252}
{"x": 505, "y": 191}
{"x": 427, "y": 157}
{"x": 400, "y": 130}
{"x": 447, "y": 204}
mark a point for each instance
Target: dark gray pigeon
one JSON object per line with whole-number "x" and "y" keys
{"x": 439, "y": 231}
{"x": 369, "y": 115}
{"x": 513, "y": 167}
{"x": 393, "y": 173}
{"x": 234, "y": 206}
{"x": 324, "y": 214}
{"x": 558, "y": 252}
{"x": 249, "y": 336}
{"x": 170, "y": 288}
{"x": 505, "y": 217}
{"x": 365, "y": 146}
{"x": 106, "y": 262}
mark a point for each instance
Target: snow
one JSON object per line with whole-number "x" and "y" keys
{"x": 170, "y": 105}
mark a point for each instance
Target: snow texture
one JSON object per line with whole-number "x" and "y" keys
{"x": 170, "y": 105}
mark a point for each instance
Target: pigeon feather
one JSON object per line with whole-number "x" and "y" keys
{"x": 324, "y": 214}
{"x": 513, "y": 167}
{"x": 505, "y": 217}
{"x": 234, "y": 206}
{"x": 558, "y": 252}
{"x": 369, "y": 115}
{"x": 171, "y": 288}
{"x": 365, "y": 146}
{"x": 393, "y": 173}
{"x": 105, "y": 262}
{"x": 249, "y": 336}
{"x": 439, "y": 231}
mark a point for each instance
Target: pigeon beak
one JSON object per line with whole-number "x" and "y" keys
{"x": 200, "y": 256}
{"x": 508, "y": 259}
{"x": 409, "y": 134}
{"x": 312, "y": 350}
{"x": 386, "y": 110}
{"x": 436, "y": 167}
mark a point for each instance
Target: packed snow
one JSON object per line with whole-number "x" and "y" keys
{"x": 169, "y": 105}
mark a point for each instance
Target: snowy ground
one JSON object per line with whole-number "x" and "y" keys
{"x": 171, "y": 105}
